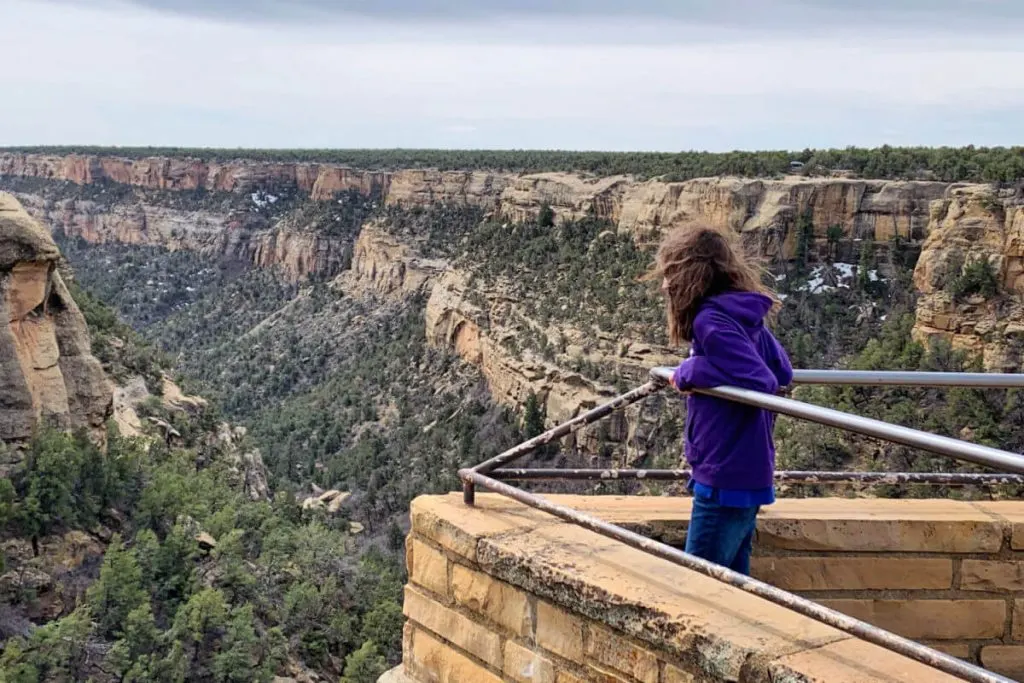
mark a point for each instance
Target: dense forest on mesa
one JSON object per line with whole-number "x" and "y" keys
{"x": 952, "y": 164}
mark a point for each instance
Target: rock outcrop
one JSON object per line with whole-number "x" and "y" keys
{"x": 47, "y": 372}
{"x": 959, "y": 221}
{"x": 875, "y": 209}
{"x": 172, "y": 173}
{"x": 385, "y": 268}
{"x": 971, "y": 224}
{"x": 297, "y": 251}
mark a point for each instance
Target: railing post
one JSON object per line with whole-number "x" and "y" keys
{"x": 468, "y": 493}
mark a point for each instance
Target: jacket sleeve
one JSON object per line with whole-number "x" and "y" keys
{"x": 783, "y": 367}
{"x": 729, "y": 358}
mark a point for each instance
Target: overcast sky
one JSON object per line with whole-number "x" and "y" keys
{"x": 569, "y": 74}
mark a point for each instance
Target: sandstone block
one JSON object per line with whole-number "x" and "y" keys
{"x": 992, "y": 575}
{"x": 432, "y": 660}
{"x": 1017, "y": 536}
{"x": 427, "y": 567}
{"x": 673, "y": 674}
{"x": 929, "y": 619}
{"x": 877, "y": 525}
{"x": 616, "y": 652}
{"x": 853, "y": 573}
{"x": 1007, "y": 660}
{"x": 445, "y": 520}
{"x": 498, "y": 601}
{"x": 958, "y": 650}
{"x": 605, "y": 676}
{"x": 566, "y": 677}
{"x": 462, "y": 632}
{"x": 1018, "y": 619}
{"x": 526, "y": 666}
{"x": 852, "y": 661}
{"x": 559, "y": 632}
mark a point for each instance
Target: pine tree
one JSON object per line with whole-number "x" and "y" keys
{"x": 365, "y": 665}
{"x": 533, "y": 417}
{"x": 119, "y": 590}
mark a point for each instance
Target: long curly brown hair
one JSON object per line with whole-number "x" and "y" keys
{"x": 696, "y": 261}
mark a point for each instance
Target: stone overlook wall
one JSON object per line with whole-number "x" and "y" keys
{"x": 501, "y": 592}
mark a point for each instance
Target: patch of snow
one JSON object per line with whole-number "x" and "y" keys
{"x": 846, "y": 270}
{"x": 261, "y": 198}
{"x": 782, "y": 297}
{"x": 883, "y": 318}
{"x": 780, "y": 278}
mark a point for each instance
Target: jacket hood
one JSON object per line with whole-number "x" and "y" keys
{"x": 746, "y": 308}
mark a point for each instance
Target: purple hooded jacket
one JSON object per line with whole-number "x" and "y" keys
{"x": 729, "y": 445}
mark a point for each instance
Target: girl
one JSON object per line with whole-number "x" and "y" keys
{"x": 716, "y": 301}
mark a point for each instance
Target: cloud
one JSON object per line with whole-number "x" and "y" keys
{"x": 778, "y": 16}
{"x": 122, "y": 74}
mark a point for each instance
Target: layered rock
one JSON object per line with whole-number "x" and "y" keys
{"x": 876, "y": 209}
{"x": 386, "y": 268}
{"x": 975, "y": 223}
{"x": 482, "y": 326}
{"x": 297, "y": 251}
{"x": 421, "y": 187}
{"x": 869, "y": 209}
{"x": 47, "y": 372}
{"x": 173, "y": 173}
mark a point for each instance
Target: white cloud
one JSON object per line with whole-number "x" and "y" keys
{"x": 121, "y": 75}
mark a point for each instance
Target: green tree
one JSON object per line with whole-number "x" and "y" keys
{"x": 546, "y": 216}
{"x": 804, "y": 240}
{"x": 119, "y": 591}
{"x": 365, "y": 665}
{"x": 533, "y": 417}
{"x": 834, "y": 235}
{"x": 238, "y": 659}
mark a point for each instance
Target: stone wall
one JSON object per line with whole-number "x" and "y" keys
{"x": 501, "y": 592}
{"x": 946, "y": 573}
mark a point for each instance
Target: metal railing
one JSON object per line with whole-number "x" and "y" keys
{"x": 492, "y": 475}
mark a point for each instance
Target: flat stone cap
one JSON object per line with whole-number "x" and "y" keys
{"x": 22, "y": 238}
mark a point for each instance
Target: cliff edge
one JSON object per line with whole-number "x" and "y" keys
{"x": 47, "y": 371}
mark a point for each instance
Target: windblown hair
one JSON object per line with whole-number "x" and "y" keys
{"x": 695, "y": 262}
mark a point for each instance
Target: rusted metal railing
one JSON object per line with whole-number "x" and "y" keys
{"x": 492, "y": 476}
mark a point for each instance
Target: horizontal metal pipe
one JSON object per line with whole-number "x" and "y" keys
{"x": 782, "y": 477}
{"x": 847, "y": 624}
{"x": 980, "y": 380}
{"x": 572, "y": 425}
{"x": 943, "y": 445}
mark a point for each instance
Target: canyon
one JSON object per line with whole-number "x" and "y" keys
{"x": 952, "y": 223}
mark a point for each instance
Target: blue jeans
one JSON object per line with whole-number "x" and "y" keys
{"x": 723, "y": 535}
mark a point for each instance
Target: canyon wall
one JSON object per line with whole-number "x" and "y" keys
{"x": 975, "y": 224}
{"x": 47, "y": 371}
{"x": 477, "y": 321}
{"x": 874, "y": 209}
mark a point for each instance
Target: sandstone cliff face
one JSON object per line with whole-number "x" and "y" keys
{"x": 47, "y": 371}
{"x": 864, "y": 208}
{"x": 869, "y": 209}
{"x": 385, "y": 268}
{"x": 974, "y": 223}
{"x": 475, "y": 322}
{"x": 248, "y": 238}
{"x": 166, "y": 173}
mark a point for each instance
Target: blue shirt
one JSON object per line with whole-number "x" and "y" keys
{"x": 734, "y": 498}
